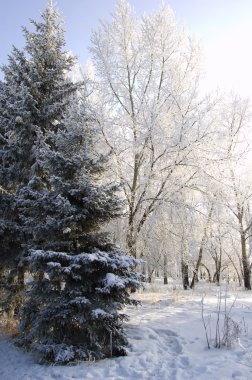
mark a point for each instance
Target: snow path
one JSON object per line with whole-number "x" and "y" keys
{"x": 167, "y": 342}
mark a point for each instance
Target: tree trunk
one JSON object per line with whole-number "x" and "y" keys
{"x": 208, "y": 272}
{"x": 131, "y": 240}
{"x": 196, "y": 269}
{"x": 245, "y": 264}
{"x": 185, "y": 276}
{"x": 216, "y": 277}
{"x": 165, "y": 270}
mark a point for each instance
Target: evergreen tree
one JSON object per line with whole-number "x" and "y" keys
{"x": 81, "y": 279}
{"x": 34, "y": 93}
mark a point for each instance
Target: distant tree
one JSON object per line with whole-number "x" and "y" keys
{"x": 230, "y": 185}
{"x": 81, "y": 280}
{"x": 236, "y": 189}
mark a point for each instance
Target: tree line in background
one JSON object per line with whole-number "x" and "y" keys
{"x": 131, "y": 146}
{"x": 181, "y": 156}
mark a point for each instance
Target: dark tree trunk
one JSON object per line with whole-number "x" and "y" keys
{"x": 196, "y": 269}
{"x": 216, "y": 277}
{"x": 185, "y": 275}
{"x": 245, "y": 264}
{"x": 165, "y": 270}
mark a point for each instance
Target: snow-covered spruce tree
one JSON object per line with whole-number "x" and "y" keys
{"x": 33, "y": 94}
{"x": 81, "y": 279}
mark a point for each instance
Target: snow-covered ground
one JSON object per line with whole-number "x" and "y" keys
{"x": 167, "y": 342}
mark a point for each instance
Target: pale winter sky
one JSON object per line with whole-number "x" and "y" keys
{"x": 224, "y": 27}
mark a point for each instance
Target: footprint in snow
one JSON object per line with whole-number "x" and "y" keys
{"x": 183, "y": 362}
